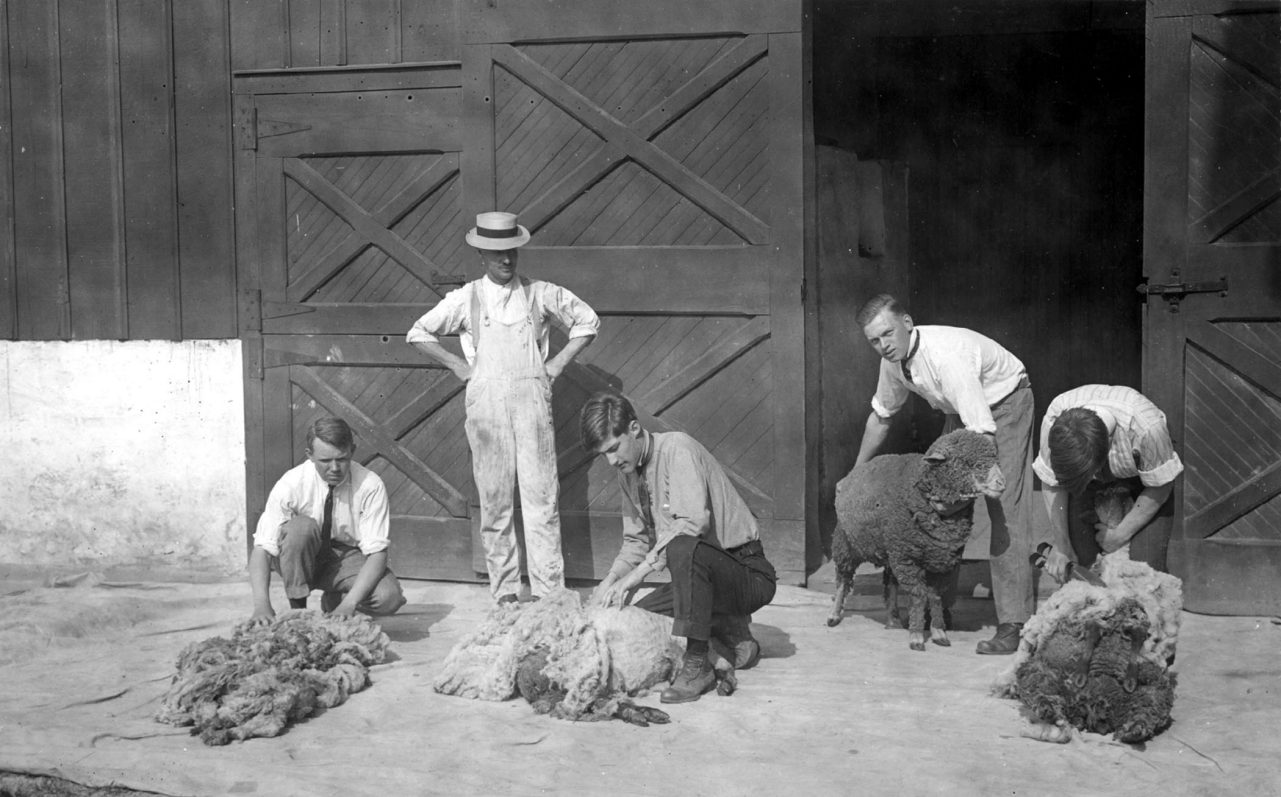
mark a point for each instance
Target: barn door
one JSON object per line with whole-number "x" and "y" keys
{"x": 1212, "y": 259}
{"x": 350, "y": 225}
{"x": 656, "y": 152}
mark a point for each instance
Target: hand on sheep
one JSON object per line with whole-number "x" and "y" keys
{"x": 344, "y": 609}
{"x": 614, "y": 593}
{"x": 262, "y": 615}
{"x": 1056, "y": 564}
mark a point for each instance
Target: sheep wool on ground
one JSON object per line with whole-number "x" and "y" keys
{"x": 1097, "y": 658}
{"x": 569, "y": 660}
{"x": 913, "y": 515}
{"x": 271, "y": 673}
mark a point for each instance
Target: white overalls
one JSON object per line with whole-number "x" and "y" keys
{"x": 510, "y": 430}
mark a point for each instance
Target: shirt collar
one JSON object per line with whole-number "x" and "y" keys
{"x": 915, "y": 336}
{"x": 646, "y": 452}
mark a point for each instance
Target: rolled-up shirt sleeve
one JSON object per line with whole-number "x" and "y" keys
{"x": 960, "y": 381}
{"x": 1158, "y": 463}
{"x": 279, "y": 508}
{"x": 448, "y": 317}
{"x": 891, "y": 393}
{"x": 577, "y": 316}
{"x": 1041, "y": 466}
{"x": 373, "y": 523}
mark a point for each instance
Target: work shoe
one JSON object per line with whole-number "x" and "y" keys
{"x": 695, "y": 679}
{"x": 735, "y": 631}
{"x": 1005, "y": 641}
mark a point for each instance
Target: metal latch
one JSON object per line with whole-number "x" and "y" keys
{"x": 1174, "y": 291}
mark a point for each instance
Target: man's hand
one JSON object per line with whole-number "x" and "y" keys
{"x": 262, "y": 614}
{"x": 344, "y": 609}
{"x": 615, "y": 594}
{"x": 462, "y": 371}
{"x": 1056, "y": 564}
{"x": 553, "y": 369}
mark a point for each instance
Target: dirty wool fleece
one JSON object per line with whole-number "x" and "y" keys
{"x": 269, "y": 674}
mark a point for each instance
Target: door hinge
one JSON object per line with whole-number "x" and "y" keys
{"x": 1174, "y": 290}
{"x": 247, "y": 127}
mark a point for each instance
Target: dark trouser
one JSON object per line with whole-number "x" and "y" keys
{"x": 305, "y": 563}
{"x": 709, "y": 582}
{"x": 1082, "y": 516}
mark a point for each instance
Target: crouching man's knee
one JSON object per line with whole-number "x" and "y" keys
{"x": 387, "y": 598}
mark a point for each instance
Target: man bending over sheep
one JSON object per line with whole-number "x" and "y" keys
{"x": 680, "y": 511}
{"x": 983, "y": 387}
{"x": 1093, "y": 436}
{"x": 325, "y": 527}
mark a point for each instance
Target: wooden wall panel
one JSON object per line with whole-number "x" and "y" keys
{"x": 311, "y": 34}
{"x": 117, "y": 181}
{"x": 8, "y": 254}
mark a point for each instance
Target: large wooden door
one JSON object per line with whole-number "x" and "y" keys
{"x": 656, "y": 151}
{"x": 351, "y": 224}
{"x": 1212, "y": 258}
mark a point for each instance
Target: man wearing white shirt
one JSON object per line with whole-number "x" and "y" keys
{"x": 325, "y": 527}
{"x": 982, "y": 387}
{"x": 502, "y": 321}
{"x": 1097, "y": 435}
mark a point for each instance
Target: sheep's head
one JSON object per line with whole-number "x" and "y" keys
{"x": 960, "y": 467}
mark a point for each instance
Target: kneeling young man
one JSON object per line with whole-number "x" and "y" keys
{"x": 680, "y": 512}
{"x": 1093, "y": 436}
{"x": 325, "y": 527}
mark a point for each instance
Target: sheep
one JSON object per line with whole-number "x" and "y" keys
{"x": 1097, "y": 658}
{"x": 270, "y": 674}
{"x": 571, "y": 661}
{"x": 913, "y": 514}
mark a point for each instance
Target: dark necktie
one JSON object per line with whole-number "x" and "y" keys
{"x": 646, "y": 504}
{"x": 907, "y": 372}
{"x": 327, "y": 525}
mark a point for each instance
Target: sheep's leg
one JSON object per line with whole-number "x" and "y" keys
{"x": 889, "y": 590}
{"x": 912, "y": 578}
{"x": 843, "y": 584}
{"x": 938, "y": 624}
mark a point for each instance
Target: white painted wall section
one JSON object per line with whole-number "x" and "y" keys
{"x": 122, "y": 454}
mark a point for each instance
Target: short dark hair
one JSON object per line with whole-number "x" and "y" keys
{"x": 873, "y": 307}
{"x": 1078, "y": 448}
{"x": 605, "y": 415}
{"x": 333, "y": 431}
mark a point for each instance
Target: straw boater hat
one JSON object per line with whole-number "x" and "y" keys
{"x": 498, "y": 231}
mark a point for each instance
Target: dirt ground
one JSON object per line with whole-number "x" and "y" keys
{"x": 844, "y": 710}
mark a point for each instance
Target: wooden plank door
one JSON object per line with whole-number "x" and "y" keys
{"x": 1212, "y": 258}
{"x": 657, "y": 151}
{"x": 351, "y": 225}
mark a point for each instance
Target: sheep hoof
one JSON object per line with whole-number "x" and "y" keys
{"x": 916, "y": 645}
{"x": 834, "y": 620}
{"x": 942, "y": 641}
{"x": 917, "y": 640}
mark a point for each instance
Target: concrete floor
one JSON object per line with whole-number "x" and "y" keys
{"x": 844, "y": 710}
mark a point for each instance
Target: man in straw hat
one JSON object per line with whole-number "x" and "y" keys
{"x": 502, "y": 323}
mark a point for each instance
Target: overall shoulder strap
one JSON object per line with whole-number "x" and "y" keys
{"x": 476, "y": 313}
{"x": 536, "y": 312}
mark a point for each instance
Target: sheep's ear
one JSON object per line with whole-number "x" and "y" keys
{"x": 936, "y": 456}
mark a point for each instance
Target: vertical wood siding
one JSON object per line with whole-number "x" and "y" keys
{"x": 117, "y": 184}
{"x": 310, "y": 34}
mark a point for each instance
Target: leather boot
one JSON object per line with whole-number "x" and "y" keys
{"x": 1004, "y": 642}
{"x": 695, "y": 679}
{"x": 735, "y": 631}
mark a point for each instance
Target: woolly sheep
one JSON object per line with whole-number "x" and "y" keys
{"x": 571, "y": 661}
{"x": 1097, "y": 658}
{"x": 913, "y": 515}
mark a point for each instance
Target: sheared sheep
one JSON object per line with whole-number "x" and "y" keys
{"x": 913, "y": 515}
{"x": 270, "y": 674}
{"x": 1097, "y": 658}
{"x": 571, "y": 661}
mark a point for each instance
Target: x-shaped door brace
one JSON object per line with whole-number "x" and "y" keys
{"x": 622, "y": 142}
{"x": 367, "y": 227}
{"x": 1262, "y": 486}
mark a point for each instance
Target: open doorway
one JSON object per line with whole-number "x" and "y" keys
{"x": 1017, "y": 131}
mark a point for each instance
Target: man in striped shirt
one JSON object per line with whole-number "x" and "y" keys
{"x": 980, "y": 385}
{"x": 1095, "y": 435}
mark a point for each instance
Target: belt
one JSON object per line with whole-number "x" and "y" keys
{"x": 750, "y": 548}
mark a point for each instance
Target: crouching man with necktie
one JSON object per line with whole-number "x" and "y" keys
{"x": 325, "y": 527}
{"x": 682, "y": 513}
